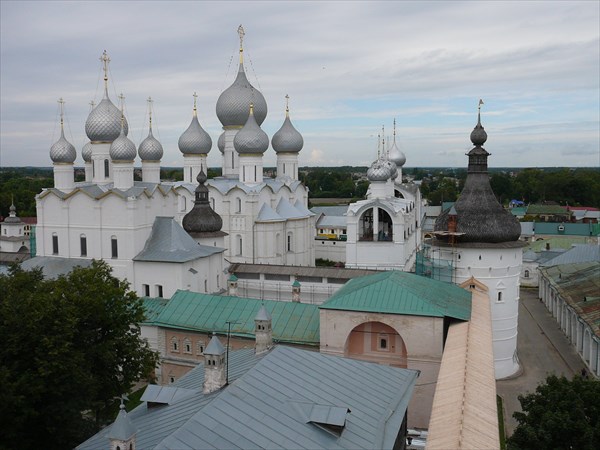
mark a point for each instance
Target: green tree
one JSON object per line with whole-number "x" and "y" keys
{"x": 560, "y": 414}
{"x": 69, "y": 347}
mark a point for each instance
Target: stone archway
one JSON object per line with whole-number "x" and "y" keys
{"x": 376, "y": 342}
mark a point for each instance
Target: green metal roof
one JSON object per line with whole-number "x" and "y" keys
{"x": 547, "y": 209}
{"x": 518, "y": 210}
{"x": 402, "y": 293}
{"x": 292, "y": 322}
{"x": 564, "y": 243}
{"x": 153, "y": 307}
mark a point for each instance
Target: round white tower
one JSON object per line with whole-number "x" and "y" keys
{"x": 480, "y": 239}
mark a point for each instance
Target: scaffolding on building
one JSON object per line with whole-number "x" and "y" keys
{"x": 429, "y": 264}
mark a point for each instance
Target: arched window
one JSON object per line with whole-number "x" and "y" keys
{"x": 106, "y": 166}
{"x": 54, "y": 244}
{"x": 290, "y": 239}
{"x": 384, "y": 226}
{"x": 83, "y": 244}
{"x": 114, "y": 247}
{"x": 527, "y": 274}
{"x": 238, "y": 205}
{"x": 239, "y": 244}
{"x": 200, "y": 348}
{"x": 365, "y": 226}
{"x": 174, "y": 344}
{"x": 499, "y": 296}
{"x": 187, "y": 346}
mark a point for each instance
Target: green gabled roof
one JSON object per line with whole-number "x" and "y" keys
{"x": 153, "y": 306}
{"x": 292, "y": 322}
{"x": 402, "y": 293}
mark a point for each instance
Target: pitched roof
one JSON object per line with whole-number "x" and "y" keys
{"x": 579, "y": 285}
{"x": 168, "y": 242}
{"x": 292, "y": 322}
{"x": 272, "y": 405}
{"x": 395, "y": 292}
{"x": 286, "y": 210}
{"x": 54, "y": 266}
{"x": 577, "y": 254}
{"x": 153, "y": 424}
{"x": 267, "y": 214}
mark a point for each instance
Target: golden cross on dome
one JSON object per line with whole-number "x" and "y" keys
{"x": 287, "y": 104}
{"x": 105, "y": 60}
{"x": 241, "y": 34}
{"x": 195, "y": 98}
{"x": 92, "y": 104}
{"x": 479, "y": 106}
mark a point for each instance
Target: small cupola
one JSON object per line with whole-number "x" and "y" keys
{"x": 215, "y": 366}
{"x": 122, "y": 432}
{"x": 296, "y": 289}
{"x": 263, "y": 330}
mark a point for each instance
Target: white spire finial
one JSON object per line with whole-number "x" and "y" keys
{"x": 378, "y": 146}
{"x": 61, "y": 102}
{"x": 479, "y": 111}
{"x": 122, "y": 100}
{"x": 394, "y": 129}
{"x": 150, "y": 101}
{"x": 241, "y": 34}
{"x": 195, "y": 99}
{"x": 105, "y": 60}
{"x": 287, "y": 105}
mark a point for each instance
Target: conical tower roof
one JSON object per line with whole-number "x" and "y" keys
{"x": 202, "y": 218}
{"x": 479, "y": 215}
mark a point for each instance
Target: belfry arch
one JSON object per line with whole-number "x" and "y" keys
{"x": 376, "y": 342}
{"x": 375, "y": 224}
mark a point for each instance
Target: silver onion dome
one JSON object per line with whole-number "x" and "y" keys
{"x": 62, "y": 151}
{"x": 104, "y": 122}
{"x": 396, "y": 155}
{"x": 378, "y": 171}
{"x": 392, "y": 167}
{"x": 287, "y": 139}
{"x": 194, "y": 140}
{"x": 251, "y": 138}
{"x": 233, "y": 103}
{"x": 221, "y": 142}
{"x": 86, "y": 152}
{"x": 150, "y": 149}
{"x": 122, "y": 148}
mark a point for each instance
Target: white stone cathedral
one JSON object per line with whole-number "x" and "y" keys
{"x": 136, "y": 226}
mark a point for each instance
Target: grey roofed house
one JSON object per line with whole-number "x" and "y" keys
{"x": 169, "y": 242}
{"x": 289, "y": 398}
{"x": 54, "y": 266}
{"x": 577, "y": 254}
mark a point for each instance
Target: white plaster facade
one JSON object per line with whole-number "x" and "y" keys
{"x": 499, "y": 268}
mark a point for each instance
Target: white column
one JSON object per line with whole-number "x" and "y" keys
{"x": 191, "y": 167}
{"x": 230, "y": 155}
{"x": 123, "y": 174}
{"x": 64, "y": 177}
{"x": 251, "y": 168}
{"x": 151, "y": 171}
{"x": 287, "y": 165}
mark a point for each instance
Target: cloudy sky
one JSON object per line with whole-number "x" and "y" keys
{"x": 349, "y": 69}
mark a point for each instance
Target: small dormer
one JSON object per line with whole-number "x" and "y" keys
{"x": 263, "y": 330}
{"x": 215, "y": 366}
{"x": 122, "y": 432}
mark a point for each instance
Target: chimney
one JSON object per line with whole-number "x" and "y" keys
{"x": 296, "y": 291}
{"x": 547, "y": 245}
{"x": 263, "y": 331}
{"x": 232, "y": 285}
{"x": 215, "y": 367}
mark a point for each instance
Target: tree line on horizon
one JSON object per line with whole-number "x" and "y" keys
{"x": 565, "y": 186}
